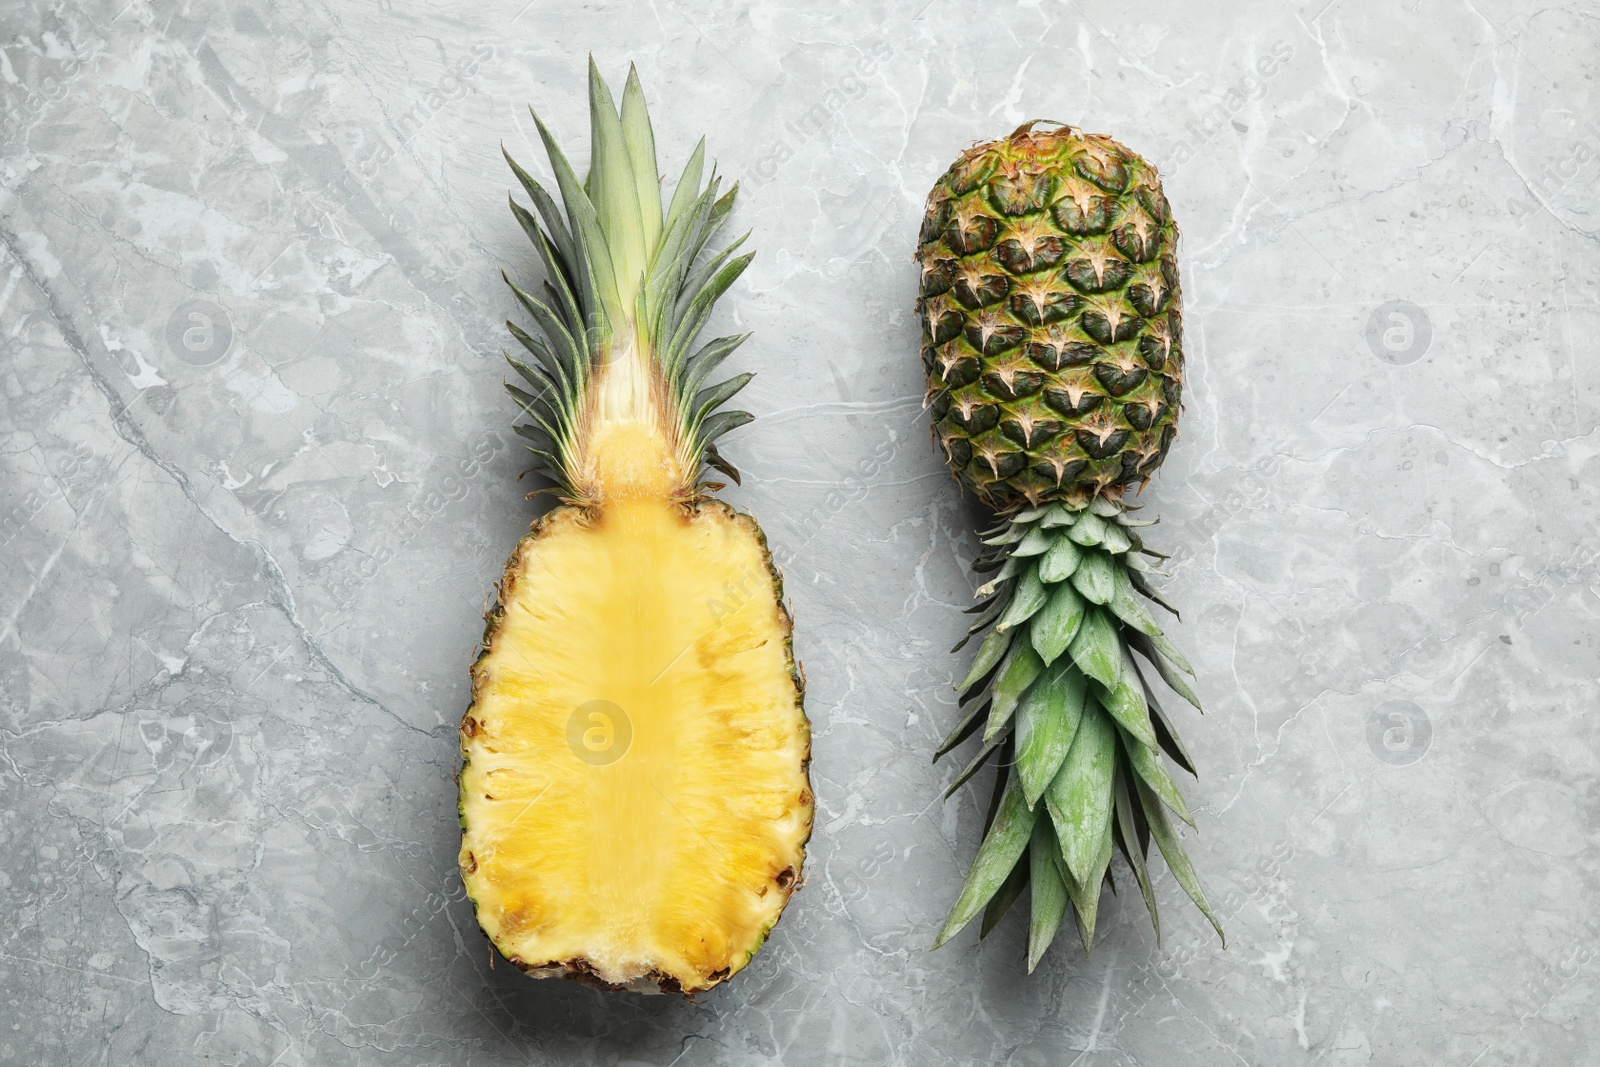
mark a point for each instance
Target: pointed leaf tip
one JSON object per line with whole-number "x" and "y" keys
{"x": 1049, "y": 892}
{"x": 1001, "y": 850}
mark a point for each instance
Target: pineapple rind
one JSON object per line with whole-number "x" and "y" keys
{"x": 1051, "y": 327}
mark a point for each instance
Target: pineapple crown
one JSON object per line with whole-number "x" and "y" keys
{"x": 624, "y": 275}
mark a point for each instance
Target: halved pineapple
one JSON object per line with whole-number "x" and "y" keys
{"x": 634, "y": 797}
{"x": 635, "y": 793}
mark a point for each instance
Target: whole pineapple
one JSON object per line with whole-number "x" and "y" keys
{"x": 1052, "y": 344}
{"x": 634, "y": 798}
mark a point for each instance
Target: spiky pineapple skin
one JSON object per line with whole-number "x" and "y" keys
{"x": 1051, "y": 331}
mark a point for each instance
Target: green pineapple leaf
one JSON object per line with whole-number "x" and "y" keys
{"x": 1079, "y": 797}
{"x": 687, "y": 191}
{"x": 1127, "y": 606}
{"x": 1126, "y": 704}
{"x": 1058, "y": 515}
{"x": 989, "y": 653}
{"x": 1115, "y": 539}
{"x": 1027, "y": 598}
{"x": 1144, "y": 759}
{"x": 589, "y": 242}
{"x": 1054, "y": 627}
{"x": 1097, "y": 650}
{"x": 1047, "y": 718}
{"x": 1172, "y": 850}
{"x": 988, "y": 750}
{"x": 1060, "y": 561}
{"x": 1004, "y": 897}
{"x": 612, "y": 191}
{"x": 640, "y": 141}
{"x": 1170, "y": 651}
{"x": 1048, "y": 892}
{"x": 1002, "y": 847}
{"x": 1134, "y": 850}
{"x": 1034, "y": 542}
{"x": 964, "y": 729}
{"x": 1016, "y": 674}
{"x": 1089, "y": 529}
{"x": 1095, "y": 577}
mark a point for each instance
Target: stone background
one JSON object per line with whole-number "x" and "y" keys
{"x": 257, "y": 480}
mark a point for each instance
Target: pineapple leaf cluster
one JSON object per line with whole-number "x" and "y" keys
{"x": 623, "y": 278}
{"x": 1057, "y": 689}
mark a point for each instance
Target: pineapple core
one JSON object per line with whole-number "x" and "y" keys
{"x": 626, "y": 452}
{"x": 635, "y": 794}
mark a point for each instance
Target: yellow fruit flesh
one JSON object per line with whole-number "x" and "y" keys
{"x": 635, "y": 795}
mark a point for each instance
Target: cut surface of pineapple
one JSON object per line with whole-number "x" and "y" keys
{"x": 635, "y": 794}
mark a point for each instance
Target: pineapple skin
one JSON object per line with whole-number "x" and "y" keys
{"x": 1051, "y": 330}
{"x": 789, "y": 878}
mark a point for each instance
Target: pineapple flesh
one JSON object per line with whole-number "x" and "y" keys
{"x": 1049, "y": 303}
{"x": 634, "y": 798}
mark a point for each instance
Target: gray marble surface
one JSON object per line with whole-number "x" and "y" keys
{"x": 257, "y": 480}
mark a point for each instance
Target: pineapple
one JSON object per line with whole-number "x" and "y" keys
{"x": 1051, "y": 340}
{"x": 634, "y": 800}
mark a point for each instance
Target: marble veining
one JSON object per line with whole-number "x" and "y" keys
{"x": 257, "y": 476}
